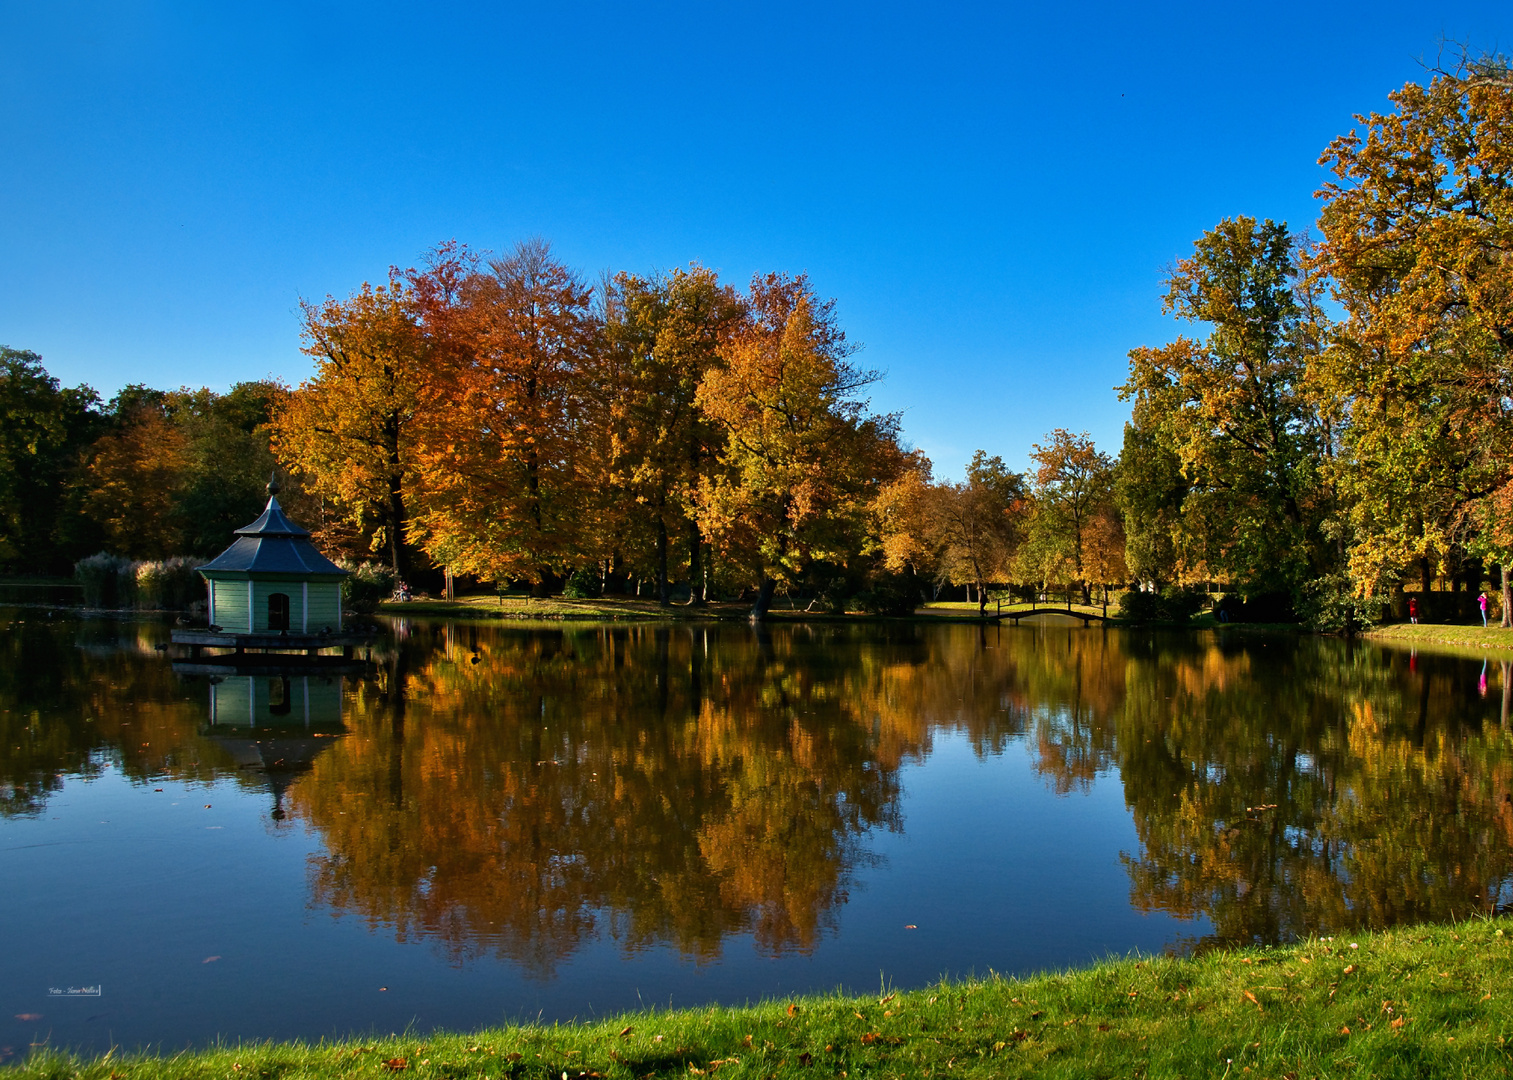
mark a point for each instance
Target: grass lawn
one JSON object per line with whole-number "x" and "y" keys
{"x": 1414, "y": 1002}
{"x": 1475, "y": 637}
{"x": 517, "y": 606}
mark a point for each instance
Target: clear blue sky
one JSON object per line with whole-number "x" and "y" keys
{"x": 990, "y": 191}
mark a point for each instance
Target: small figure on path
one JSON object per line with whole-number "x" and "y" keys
{"x": 1481, "y": 602}
{"x": 1413, "y": 609}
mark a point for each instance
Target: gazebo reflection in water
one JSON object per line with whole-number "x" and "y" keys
{"x": 276, "y": 723}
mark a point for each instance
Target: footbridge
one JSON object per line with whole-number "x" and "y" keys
{"x": 1086, "y": 612}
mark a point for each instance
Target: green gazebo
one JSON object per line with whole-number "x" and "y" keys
{"x": 271, "y": 580}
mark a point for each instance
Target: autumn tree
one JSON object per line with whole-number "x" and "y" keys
{"x": 135, "y": 477}
{"x": 662, "y": 337}
{"x": 500, "y": 461}
{"x": 1236, "y": 410}
{"x": 1072, "y": 484}
{"x": 976, "y": 525}
{"x": 802, "y": 458}
{"x": 1418, "y": 226}
{"x": 43, "y": 429}
{"x": 903, "y": 520}
{"x": 350, "y": 431}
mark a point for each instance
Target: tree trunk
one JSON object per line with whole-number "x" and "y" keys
{"x": 1507, "y": 597}
{"x": 695, "y": 566}
{"x": 763, "y": 599}
{"x": 664, "y": 592}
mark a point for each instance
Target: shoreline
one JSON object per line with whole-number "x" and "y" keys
{"x": 1415, "y": 1000}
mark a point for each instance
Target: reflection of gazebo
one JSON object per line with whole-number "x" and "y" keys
{"x": 275, "y": 724}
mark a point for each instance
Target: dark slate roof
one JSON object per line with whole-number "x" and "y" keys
{"x": 273, "y": 545}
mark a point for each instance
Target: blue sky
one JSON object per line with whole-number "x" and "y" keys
{"x": 991, "y": 192}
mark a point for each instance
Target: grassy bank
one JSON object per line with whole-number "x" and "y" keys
{"x": 1475, "y": 637}
{"x": 557, "y": 607}
{"x": 1409, "y": 1003}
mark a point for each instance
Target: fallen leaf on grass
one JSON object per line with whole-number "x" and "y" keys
{"x": 793, "y": 1010}
{"x": 869, "y": 1038}
{"x": 1252, "y": 999}
{"x": 884, "y": 1001}
{"x": 512, "y": 1056}
{"x": 626, "y": 1030}
{"x": 806, "y": 1058}
{"x": 1350, "y": 970}
{"x": 1399, "y": 1022}
{"x": 397, "y": 1064}
{"x": 1344, "y": 1031}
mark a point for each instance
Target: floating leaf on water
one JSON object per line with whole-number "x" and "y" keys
{"x": 210, "y": 959}
{"x": 28, "y": 1017}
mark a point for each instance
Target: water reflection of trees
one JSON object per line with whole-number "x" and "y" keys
{"x": 520, "y": 791}
{"x": 1282, "y": 788}
{"x": 77, "y": 696}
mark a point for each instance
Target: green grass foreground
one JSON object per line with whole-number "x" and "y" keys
{"x": 1415, "y": 1002}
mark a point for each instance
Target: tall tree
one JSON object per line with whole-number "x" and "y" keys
{"x": 135, "y": 478}
{"x": 350, "y": 431}
{"x": 662, "y": 337}
{"x": 1072, "y": 485}
{"x": 1237, "y": 410}
{"x": 500, "y": 462}
{"x": 43, "y": 429}
{"x": 1418, "y": 230}
{"x": 976, "y": 525}
{"x": 803, "y": 459}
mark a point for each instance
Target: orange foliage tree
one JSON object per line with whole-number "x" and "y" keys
{"x": 501, "y": 463}
{"x": 803, "y": 458}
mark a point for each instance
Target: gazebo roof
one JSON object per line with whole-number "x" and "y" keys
{"x": 273, "y": 545}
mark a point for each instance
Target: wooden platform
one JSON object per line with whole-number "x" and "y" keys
{"x": 309, "y": 644}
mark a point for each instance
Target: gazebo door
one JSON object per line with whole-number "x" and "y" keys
{"x": 278, "y": 612}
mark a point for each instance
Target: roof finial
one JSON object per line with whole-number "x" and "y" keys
{"x": 272, "y": 484}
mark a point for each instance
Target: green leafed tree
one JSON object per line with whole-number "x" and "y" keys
{"x": 1237, "y": 412}
{"x": 1418, "y": 244}
{"x": 44, "y": 428}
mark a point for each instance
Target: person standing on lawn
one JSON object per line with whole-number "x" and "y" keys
{"x": 1481, "y": 602}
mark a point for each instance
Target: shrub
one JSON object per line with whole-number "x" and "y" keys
{"x": 168, "y": 584}
{"x": 366, "y": 585}
{"x": 1179, "y": 604}
{"x": 1330, "y": 604}
{"x": 109, "y": 581}
{"x": 889, "y": 594}
{"x": 1173, "y": 604}
{"x": 1138, "y": 606}
{"x": 584, "y": 583}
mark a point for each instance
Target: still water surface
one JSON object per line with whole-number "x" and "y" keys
{"x": 505, "y": 821}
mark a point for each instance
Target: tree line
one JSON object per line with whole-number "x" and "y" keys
{"x": 1335, "y": 427}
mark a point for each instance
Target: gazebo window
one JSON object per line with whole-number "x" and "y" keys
{"x": 278, "y": 611}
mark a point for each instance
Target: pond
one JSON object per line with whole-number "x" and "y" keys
{"x": 499, "y": 822}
